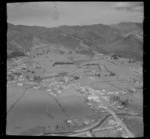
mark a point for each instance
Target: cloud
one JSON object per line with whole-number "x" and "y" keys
{"x": 55, "y": 15}
{"x": 16, "y": 5}
{"x": 129, "y": 6}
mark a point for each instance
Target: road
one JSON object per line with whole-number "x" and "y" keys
{"x": 97, "y": 124}
{"x": 116, "y": 117}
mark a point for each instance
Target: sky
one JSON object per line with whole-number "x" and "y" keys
{"x": 53, "y": 14}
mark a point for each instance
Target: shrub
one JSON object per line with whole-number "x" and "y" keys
{"x": 116, "y": 98}
{"x": 97, "y": 75}
{"x": 76, "y": 77}
{"x": 115, "y": 56}
{"x": 112, "y": 74}
{"x": 15, "y": 54}
{"x": 125, "y": 103}
{"x": 36, "y": 78}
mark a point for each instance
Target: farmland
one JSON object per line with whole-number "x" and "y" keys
{"x": 52, "y": 92}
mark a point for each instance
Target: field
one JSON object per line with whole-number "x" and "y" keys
{"x": 50, "y": 98}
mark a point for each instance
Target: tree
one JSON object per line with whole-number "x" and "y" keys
{"x": 112, "y": 74}
{"x": 36, "y": 78}
{"x": 115, "y": 56}
{"x": 15, "y": 54}
{"x": 125, "y": 103}
{"x": 76, "y": 77}
{"x": 98, "y": 75}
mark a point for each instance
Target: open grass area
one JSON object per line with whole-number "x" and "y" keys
{"x": 57, "y": 96}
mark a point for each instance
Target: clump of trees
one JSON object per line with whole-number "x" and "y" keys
{"x": 36, "y": 78}
{"x": 123, "y": 102}
{"x": 115, "y": 56}
{"x": 131, "y": 60}
{"x": 10, "y": 77}
{"x": 76, "y": 77}
{"x": 62, "y": 63}
{"x": 112, "y": 74}
{"x": 115, "y": 98}
{"x": 98, "y": 75}
{"x": 15, "y": 54}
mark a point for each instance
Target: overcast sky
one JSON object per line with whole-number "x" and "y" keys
{"x": 52, "y": 14}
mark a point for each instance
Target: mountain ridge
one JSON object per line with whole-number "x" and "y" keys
{"x": 119, "y": 38}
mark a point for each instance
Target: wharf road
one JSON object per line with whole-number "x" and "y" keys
{"x": 95, "y": 125}
{"x": 86, "y": 129}
{"x": 116, "y": 117}
{"x": 119, "y": 122}
{"x": 111, "y": 110}
{"x": 98, "y": 123}
{"x": 95, "y": 130}
{"x": 122, "y": 124}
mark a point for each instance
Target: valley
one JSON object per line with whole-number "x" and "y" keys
{"x": 53, "y": 91}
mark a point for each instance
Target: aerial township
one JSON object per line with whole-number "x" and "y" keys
{"x": 68, "y": 94}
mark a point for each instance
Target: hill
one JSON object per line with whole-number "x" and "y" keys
{"x": 125, "y": 39}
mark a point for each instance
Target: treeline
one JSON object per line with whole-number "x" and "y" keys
{"x": 15, "y": 54}
{"x": 62, "y": 63}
